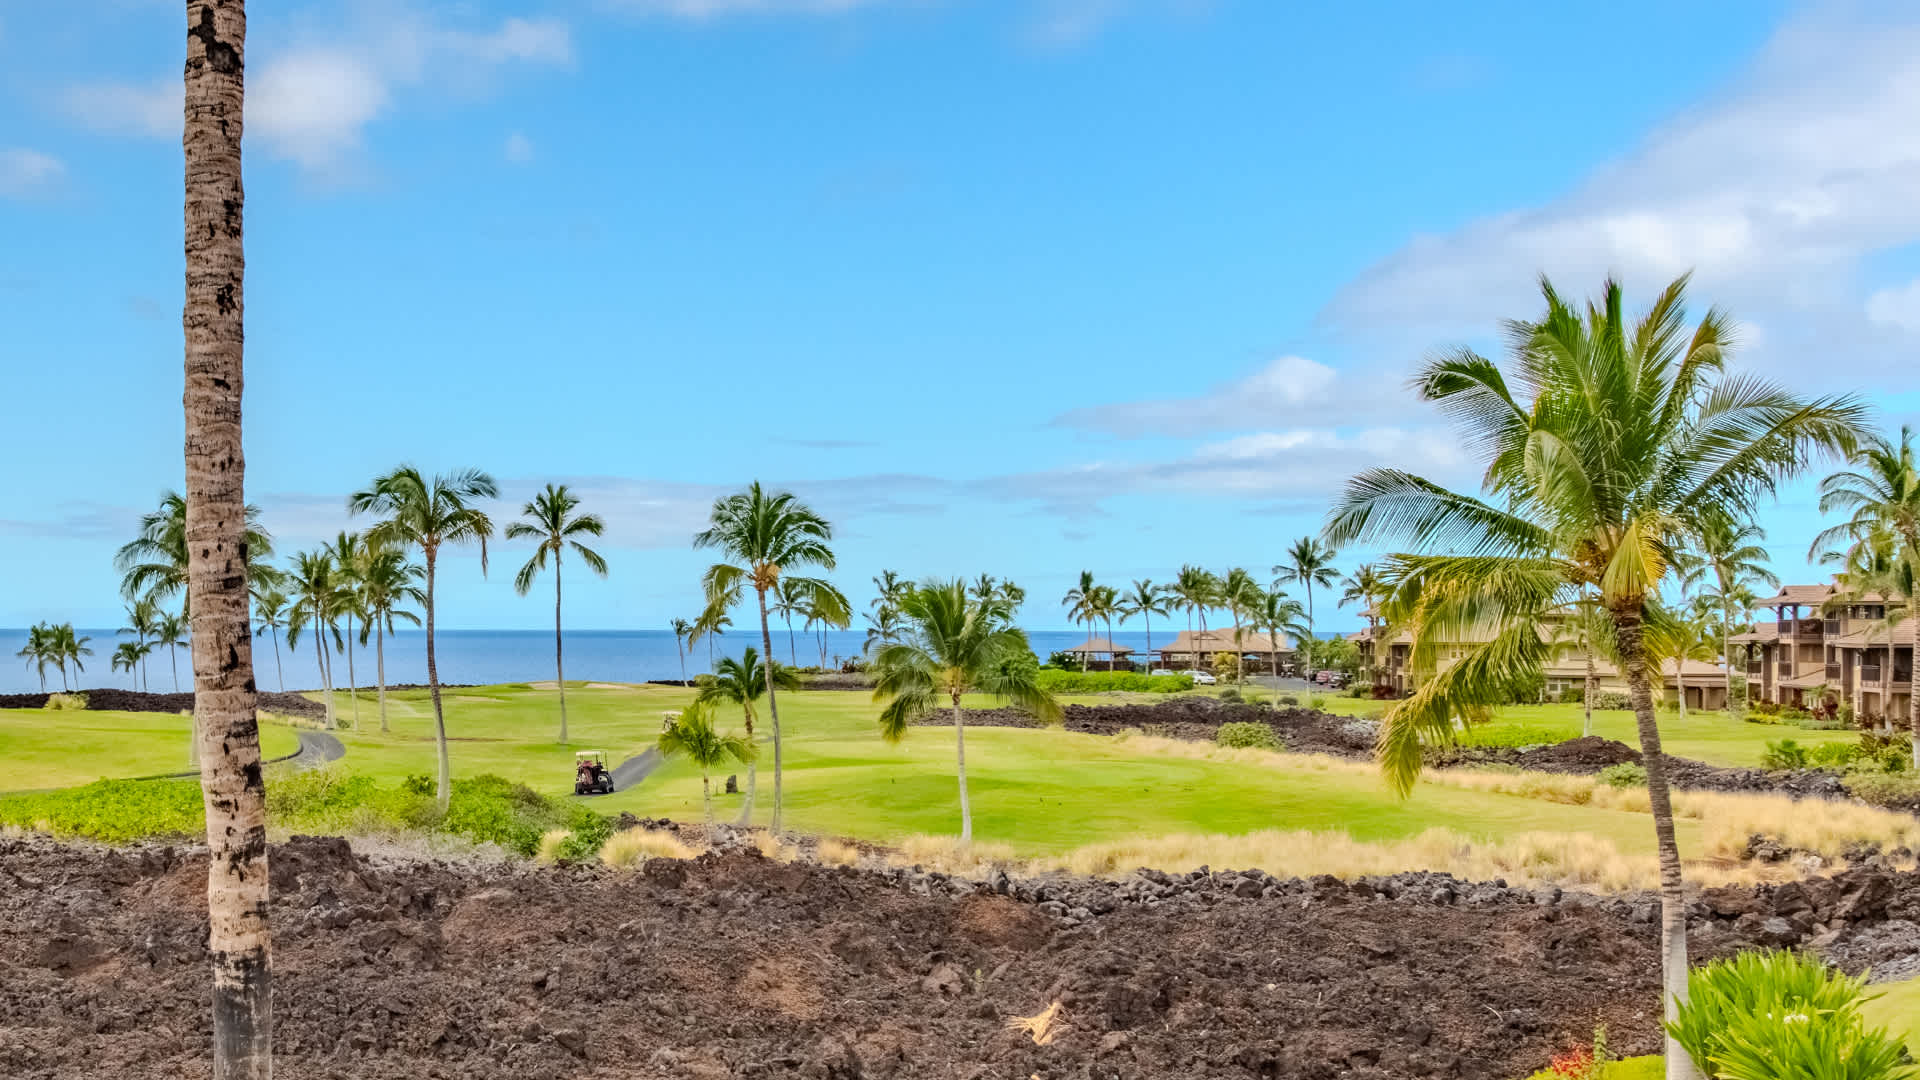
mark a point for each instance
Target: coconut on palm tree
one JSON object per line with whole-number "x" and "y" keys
{"x": 956, "y": 646}
{"x": 431, "y": 514}
{"x": 549, "y": 519}
{"x": 387, "y": 580}
{"x": 744, "y": 682}
{"x": 1145, "y": 599}
{"x": 270, "y": 617}
{"x": 768, "y": 535}
{"x": 154, "y": 562}
{"x": 1607, "y": 442}
{"x": 221, "y": 550}
{"x": 693, "y": 736}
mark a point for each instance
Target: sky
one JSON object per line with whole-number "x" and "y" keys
{"x": 1021, "y": 287}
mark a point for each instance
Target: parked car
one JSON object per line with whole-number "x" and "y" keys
{"x": 1161, "y": 671}
{"x": 1200, "y": 678}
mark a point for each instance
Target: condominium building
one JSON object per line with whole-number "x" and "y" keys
{"x": 1822, "y": 644}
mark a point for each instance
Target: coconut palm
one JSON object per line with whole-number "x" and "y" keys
{"x": 170, "y": 631}
{"x": 1239, "y": 593}
{"x": 142, "y": 615}
{"x": 1011, "y": 597}
{"x": 787, "y": 601}
{"x": 316, "y": 596}
{"x": 270, "y": 617}
{"x": 349, "y": 552}
{"x": 1193, "y": 590}
{"x": 1145, "y": 599}
{"x": 549, "y": 518}
{"x": 693, "y": 737}
{"x": 1082, "y": 603}
{"x": 1880, "y": 491}
{"x": 712, "y": 623}
{"x": 1308, "y": 563}
{"x": 888, "y": 588}
{"x": 956, "y": 646}
{"x": 68, "y": 649}
{"x": 1282, "y": 617}
{"x": 1582, "y": 626}
{"x": 387, "y": 580}
{"x": 223, "y": 554}
{"x": 1607, "y": 443}
{"x": 768, "y": 535}
{"x": 824, "y": 608}
{"x": 883, "y": 627}
{"x": 1680, "y": 636}
{"x": 1727, "y": 556}
{"x": 743, "y": 682}
{"x": 154, "y": 562}
{"x": 429, "y": 515}
{"x": 39, "y": 651}
{"x": 682, "y": 641}
{"x": 128, "y": 656}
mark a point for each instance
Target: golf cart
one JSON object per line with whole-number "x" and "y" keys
{"x": 590, "y": 775}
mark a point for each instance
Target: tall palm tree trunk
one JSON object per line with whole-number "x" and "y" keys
{"x": 559, "y": 669}
{"x": 773, "y": 708}
{"x": 706, "y": 795}
{"x": 1680, "y": 684}
{"x": 753, "y": 777}
{"x": 173, "y": 661}
{"x": 320, "y": 658}
{"x": 353, "y": 681}
{"x": 1628, "y": 627}
{"x": 682, "y": 653}
{"x": 1913, "y": 693}
{"x": 793, "y": 653}
{"x": 960, "y": 767}
{"x": 224, "y": 700}
{"x": 443, "y": 784}
{"x": 278, "y": 671}
{"x": 1726, "y": 655}
{"x": 1587, "y": 697}
{"x": 380, "y": 671}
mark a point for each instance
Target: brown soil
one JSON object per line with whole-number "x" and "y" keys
{"x": 734, "y": 966}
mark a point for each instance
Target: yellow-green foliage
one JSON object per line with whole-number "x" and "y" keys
{"x": 630, "y": 847}
{"x": 553, "y": 843}
{"x": 69, "y": 702}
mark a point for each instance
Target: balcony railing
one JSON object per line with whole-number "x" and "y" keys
{"x": 1755, "y": 667}
{"x": 1810, "y": 628}
{"x": 1869, "y": 674}
{"x": 1831, "y": 627}
{"x": 1833, "y": 672}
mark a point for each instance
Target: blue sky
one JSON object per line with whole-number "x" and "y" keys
{"x": 1018, "y": 287}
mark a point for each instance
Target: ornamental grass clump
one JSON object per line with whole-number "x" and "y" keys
{"x": 1769, "y": 1016}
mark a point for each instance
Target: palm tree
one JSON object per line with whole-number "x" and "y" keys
{"x": 69, "y": 648}
{"x": 39, "y": 651}
{"x": 127, "y": 657}
{"x": 1145, "y": 599}
{"x": 888, "y": 588}
{"x": 1881, "y": 489}
{"x": 223, "y": 553}
{"x": 825, "y": 608}
{"x": 154, "y": 562}
{"x": 1681, "y": 636}
{"x": 387, "y": 580}
{"x": 550, "y": 519}
{"x": 1193, "y": 589}
{"x": 1012, "y": 596}
{"x": 428, "y": 514}
{"x": 712, "y": 623}
{"x": 788, "y": 602}
{"x": 142, "y": 615}
{"x": 1581, "y": 625}
{"x": 270, "y": 616}
{"x": 1282, "y": 617}
{"x": 1081, "y": 603}
{"x": 1623, "y": 438}
{"x": 1309, "y": 563}
{"x": 315, "y": 595}
{"x": 349, "y": 553}
{"x": 883, "y": 627}
{"x": 1240, "y": 593}
{"x": 693, "y": 737}
{"x": 171, "y": 631}
{"x": 682, "y": 641}
{"x": 768, "y": 535}
{"x": 1365, "y": 587}
{"x": 743, "y": 682}
{"x": 1730, "y": 553}
{"x": 957, "y": 646}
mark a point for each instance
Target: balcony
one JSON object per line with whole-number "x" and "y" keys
{"x": 1833, "y": 672}
{"x": 1756, "y": 667}
{"x": 1809, "y": 630}
{"x": 1869, "y": 674}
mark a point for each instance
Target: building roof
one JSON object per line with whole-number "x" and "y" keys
{"x": 1800, "y": 595}
{"x": 1902, "y": 635}
{"x": 1694, "y": 672}
{"x": 1762, "y": 633}
{"x": 1816, "y": 677}
{"x": 1100, "y": 645}
{"x": 1213, "y": 641}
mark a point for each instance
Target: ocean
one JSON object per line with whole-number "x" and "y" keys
{"x": 486, "y": 656}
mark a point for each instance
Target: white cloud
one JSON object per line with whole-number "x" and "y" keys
{"x": 1775, "y": 191}
{"x": 709, "y": 9}
{"x": 1287, "y": 390}
{"x": 312, "y": 103}
{"x": 25, "y": 172}
{"x": 1897, "y": 306}
{"x": 1066, "y": 23}
{"x": 519, "y": 149}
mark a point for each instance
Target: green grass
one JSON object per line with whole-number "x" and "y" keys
{"x": 1898, "y": 1007}
{"x": 48, "y": 748}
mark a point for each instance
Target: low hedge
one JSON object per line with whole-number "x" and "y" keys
{"x": 1084, "y": 682}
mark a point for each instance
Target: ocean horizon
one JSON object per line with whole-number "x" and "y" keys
{"x": 489, "y": 656}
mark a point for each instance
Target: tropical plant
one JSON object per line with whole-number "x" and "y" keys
{"x": 1145, "y": 599}
{"x": 825, "y": 608}
{"x": 64, "y": 647}
{"x": 1728, "y": 558}
{"x": 888, "y": 588}
{"x": 1308, "y": 563}
{"x": 743, "y": 682}
{"x": 387, "y": 580}
{"x": 1582, "y": 626}
{"x": 1082, "y": 603}
{"x": 270, "y": 617}
{"x": 712, "y": 623}
{"x": 884, "y": 625}
{"x": 1873, "y": 570}
{"x": 1240, "y": 594}
{"x": 1282, "y": 617}
{"x": 1607, "y": 442}
{"x": 154, "y": 562}
{"x": 39, "y": 651}
{"x": 128, "y": 656}
{"x": 315, "y": 600}
{"x": 1194, "y": 590}
{"x": 142, "y": 616}
{"x": 1880, "y": 491}
{"x": 787, "y": 600}
{"x": 693, "y": 737}
{"x": 1677, "y": 637}
{"x": 769, "y": 535}
{"x": 222, "y": 558}
{"x": 1773, "y": 1015}
{"x": 427, "y": 515}
{"x": 349, "y": 554}
{"x": 550, "y": 520}
{"x": 957, "y": 645}
{"x": 682, "y": 641}
{"x": 170, "y": 631}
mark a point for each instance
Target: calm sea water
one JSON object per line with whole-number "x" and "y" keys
{"x": 485, "y": 656}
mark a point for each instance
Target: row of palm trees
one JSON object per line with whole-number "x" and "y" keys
{"x": 58, "y": 646}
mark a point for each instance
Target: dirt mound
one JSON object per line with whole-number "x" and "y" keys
{"x": 136, "y": 701}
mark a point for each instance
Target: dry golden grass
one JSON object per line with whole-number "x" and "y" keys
{"x": 630, "y": 847}
{"x": 774, "y": 848}
{"x": 1042, "y": 1026}
{"x": 837, "y": 852}
{"x": 550, "y": 841}
{"x": 945, "y": 854}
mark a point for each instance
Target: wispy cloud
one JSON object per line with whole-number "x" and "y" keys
{"x": 1776, "y": 191}
{"x": 1065, "y": 24}
{"x": 713, "y": 9}
{"x": 1286, "y": 391}
{"x": 76, "y": 520}
{"x": 519, "y": 149}
{"x": 26, "y": 173}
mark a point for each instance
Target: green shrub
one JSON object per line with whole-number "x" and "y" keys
{"x": 1885, "y": 789}
{"x": 1624, "y": 775}
{"x": 1784, "y": 754}
{"x": 1833, "y": 755}
{"x": 1230, "y": 694}
{"x": 1360, "y": 690}
{"x": 1290, "y": 699}
{"x": 1247, "y": 735}
{"x": 587, "y": 831}
{"x": 1316, "y": 701}
{"x": 1884, "y": 753}
{"x": 112, "y": 811}
{"x": 1573, "y": 695}
{"x": 66, "y": 702}
{"x": 1611, "y": 699}
{"x": 1781, "y": 1014}
{"x": 1084, "y": 682}
{"x": 1765, "y": 708}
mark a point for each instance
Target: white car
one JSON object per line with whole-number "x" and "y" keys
{"x": 1200, "y": 678}
{"x": 1160, "y": 671}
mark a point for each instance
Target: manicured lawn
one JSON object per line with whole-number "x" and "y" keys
{"x": 1039, "y": 790}
{"x": 47, "y": 748}
{"x": 1899, "y": 1009}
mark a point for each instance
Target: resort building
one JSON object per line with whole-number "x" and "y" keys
{"x": 1823, "y": 645}
{"x": 1101, "y": 654}
{"x": 1260, "y": 652}
{"x": 1388, "y": 654}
